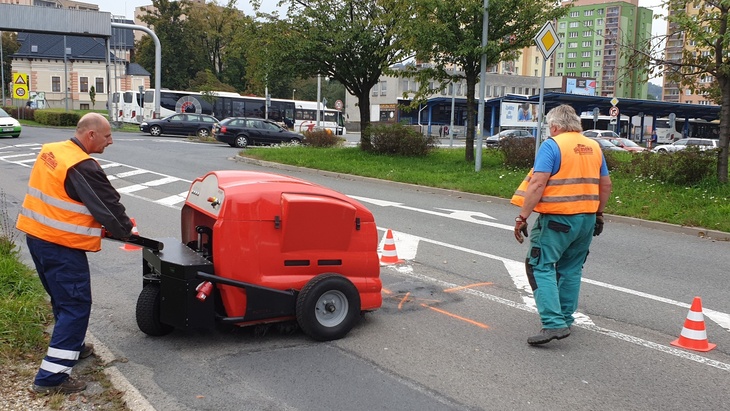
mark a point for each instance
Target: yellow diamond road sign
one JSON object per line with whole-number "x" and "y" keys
{"x": 547, "y": 40}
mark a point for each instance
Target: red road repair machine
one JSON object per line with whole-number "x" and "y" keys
{"x": 261, "y": 248}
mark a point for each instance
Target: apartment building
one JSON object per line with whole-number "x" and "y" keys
{"x": 59, "y": 4}
{"x": 591, "y": 34}
{"x": 677, "y": 43}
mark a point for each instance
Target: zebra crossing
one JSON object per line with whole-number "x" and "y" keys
{"x": 147, "y": 185}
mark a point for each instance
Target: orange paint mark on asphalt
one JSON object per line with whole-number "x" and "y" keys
{"x": 385, "y": 290}
{"x": 448, "y": 290}
{"x": 478, "y": 324}
{"x": 403, "y": 300}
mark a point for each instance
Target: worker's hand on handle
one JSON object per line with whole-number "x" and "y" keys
{"x": 598, "y": 229}
{"x": 520, "y": 228}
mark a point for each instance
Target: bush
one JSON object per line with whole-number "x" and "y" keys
{"x": 397, "y": 139}
{"x": 322, "y": 138}
{"x": 684, "y": 167}
{"x": 56, "y": 118}
{"x": 21, "y": 113}
{"x": 518, "y": 152}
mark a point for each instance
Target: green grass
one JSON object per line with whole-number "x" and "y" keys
{"x": 703, "y": 205}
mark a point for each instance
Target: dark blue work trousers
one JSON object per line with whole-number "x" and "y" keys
{"x": 65, "y": 275}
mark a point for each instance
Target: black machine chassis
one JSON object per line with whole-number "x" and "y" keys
{"x": 178, "y": 269}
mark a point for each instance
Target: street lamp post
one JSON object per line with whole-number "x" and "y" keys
{"x": 292, "y": 93}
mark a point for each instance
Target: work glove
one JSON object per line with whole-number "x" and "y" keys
{"x": 598, "y": 229}
{"x": 520, "y": 229}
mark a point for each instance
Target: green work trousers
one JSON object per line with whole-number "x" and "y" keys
{"x": 558, "y": 248}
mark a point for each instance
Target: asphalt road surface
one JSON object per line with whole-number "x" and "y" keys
{"x": 451, "y": 334}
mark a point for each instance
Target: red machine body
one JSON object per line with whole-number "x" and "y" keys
{"x": 279, "y": 232}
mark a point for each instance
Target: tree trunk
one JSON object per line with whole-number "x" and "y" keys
{"x": 363, "y": 102}
{"x": 722, "y": 160}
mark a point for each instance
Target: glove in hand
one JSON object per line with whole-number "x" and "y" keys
{"x": 598, "y": 229}
{"x": 520, "y": 230}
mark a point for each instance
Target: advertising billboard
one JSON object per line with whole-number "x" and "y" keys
{"x": 518, "y": 115}
{"x": 583, "y": 86}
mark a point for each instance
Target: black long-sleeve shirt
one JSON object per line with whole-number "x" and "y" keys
{"x": 87, "y": 183}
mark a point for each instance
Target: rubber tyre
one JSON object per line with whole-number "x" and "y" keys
{"x": 155, "y": 130}
{"x": 328, "y": 307}
{"x": 241, "y": 141}
{"x": 148, "y": 312}
{"x": 295, "y": 141}
{"x": 203, "y": 133}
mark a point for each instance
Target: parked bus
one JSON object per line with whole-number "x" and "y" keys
{"x": 219, "y": 104}
{"x": 116, "y": 107}
{"x": 693, "y": 128}
{"x": 305, "y": 118}
{"x": 131, "y": 107}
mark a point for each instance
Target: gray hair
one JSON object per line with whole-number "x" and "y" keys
{"x": 564, "y": 118}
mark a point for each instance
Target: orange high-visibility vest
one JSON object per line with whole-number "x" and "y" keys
{"x": 574, "y": 188}
{"x": 48, "y": 212}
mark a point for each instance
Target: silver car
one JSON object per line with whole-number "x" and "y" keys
{"x": 702, "y": 143}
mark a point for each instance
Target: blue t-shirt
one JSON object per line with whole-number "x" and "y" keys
{"x": 548, "y": 159}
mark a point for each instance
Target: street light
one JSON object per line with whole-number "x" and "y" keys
{"x": 292, "y": 93}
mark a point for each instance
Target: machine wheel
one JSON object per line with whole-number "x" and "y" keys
{"x": 241, "y": 141}
{"x": 295, "y": 141}
{"x": 203, "y": 133}
{"x": 148, "y": 312}
{"x": 155, "y": 130}
{"x": 328, "y": 307}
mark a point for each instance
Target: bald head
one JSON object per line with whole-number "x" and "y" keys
{"x": 94, "y": 132}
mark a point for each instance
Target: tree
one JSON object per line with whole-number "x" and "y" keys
{"x": 350, "y": 41}
{"x": 449, "y": 34}
{"x": 216, "y": 28}
{"x": 271, "y": 58}
{"x": 10, "y": 46}
{"x": 704, "y": 40}
{"x": 92, "y": 96}
{"x": 182, "y": 59}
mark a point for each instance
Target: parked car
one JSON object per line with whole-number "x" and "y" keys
{"x": 184, "y": 124}
{"x": 600, "y": 133}
{"x": 607, "y": 145}
{"x": 626, "y": 144}
{"x": 681, "y": 144}
{"x": 242, "y": 131}
{"x": 496, "y": 140}
{"x": 8, "y": 125}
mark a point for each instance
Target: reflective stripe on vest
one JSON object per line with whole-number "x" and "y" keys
{"x": 574, "y": 189}
{"x": 48, "y": 212}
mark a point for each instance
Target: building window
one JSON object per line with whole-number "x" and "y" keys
{"x": 572, "y": 55}
{"x": 596, "y": 73}
{"x": 586, "y": 54}
{"x": 571, "y": 64}
{"x": 588, "y": 23}
{"x": 560, "y": 74}
{"x": 597, "y": 52}
{"x": 56, "y": 84}
{"x": 585, "y": 73}
{"x": 599, "y": 42}
{"x": 561, "y": 55}
{"x": 573, "y": 34}
{"x": 536, "y": 71}
{"x": 561, "y": 25}
{"x": 688, "y": 92}
{"x": 599, "y": 32}
{"x": 587, "y": 33}
{"x": 375, "y": 90}
{"x": 84, "y": 84}
{"x": 588, "y": 13}
{"x": 574, "y": 14}
{"x": 587, "y": 44}
{"x": 83, "y": 106}
{"x": 560, "y": 65}
{"x": 573, "y": 24}
{"x": 585, "y": 64}
{"x": 99, "y": 85}
{"x": 599, "y": 12}
{"x": 599, "y": 22}
{"x": 573, "y": 45}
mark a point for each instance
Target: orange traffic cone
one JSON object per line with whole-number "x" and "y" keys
{"x": 130, "y": 247}
{"x": 694, "y": 336}
{"x": 390, "y": 255}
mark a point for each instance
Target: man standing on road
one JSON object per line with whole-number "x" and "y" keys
{"x": 569, "y": 186}
{"x": 68, "y": 201}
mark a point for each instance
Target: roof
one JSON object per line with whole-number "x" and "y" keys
{"x": 134, "y": 69}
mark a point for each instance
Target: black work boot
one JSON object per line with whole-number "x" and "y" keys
{"x": 549, "y": 334}
{"x": 69, "y": 386}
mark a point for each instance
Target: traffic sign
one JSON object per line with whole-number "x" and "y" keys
{"x": 20, "y": 85}
{"x": 614, "y": 101}
{"x": 613, "y": 111}
{"x": 596, "y": 113}
{"x": 338, "y": 104}
{"x": 547, "y": 40}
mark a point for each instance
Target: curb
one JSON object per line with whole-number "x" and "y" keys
{"x": 700, "y": 232}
